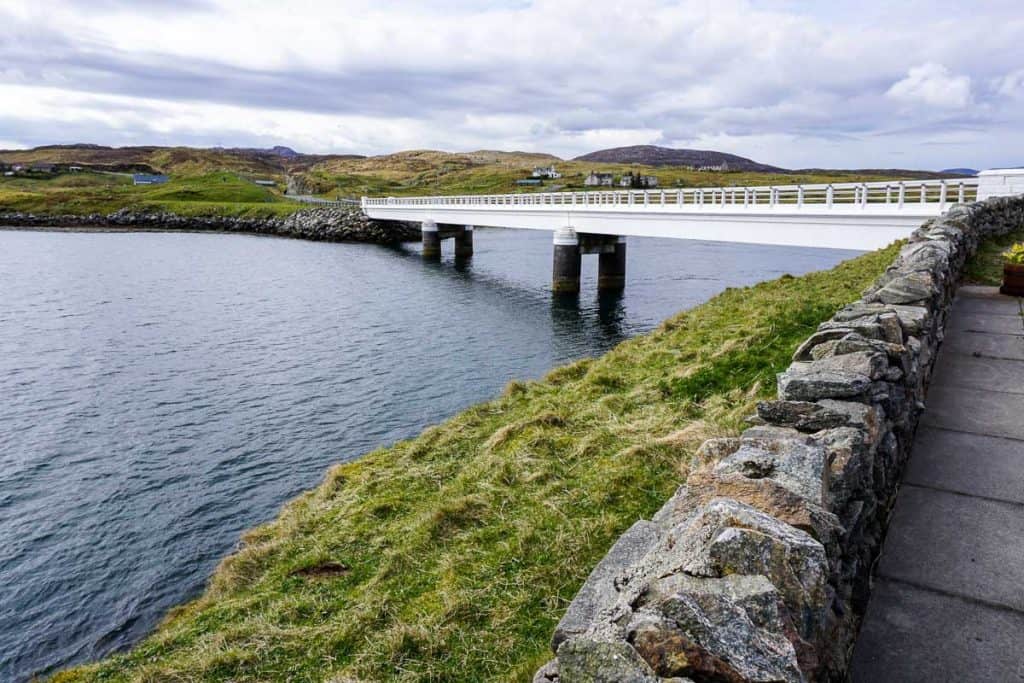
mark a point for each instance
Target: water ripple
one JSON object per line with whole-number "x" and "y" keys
{"x": 162, "y": 393}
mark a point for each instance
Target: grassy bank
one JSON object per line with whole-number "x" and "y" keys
{"x": 208, "y": 194}
{"x": 451, "y": 556}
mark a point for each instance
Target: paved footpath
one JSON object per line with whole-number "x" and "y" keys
{"x": 948, "y": 598}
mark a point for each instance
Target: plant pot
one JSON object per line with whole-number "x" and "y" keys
{"x": 1013, "y": 279}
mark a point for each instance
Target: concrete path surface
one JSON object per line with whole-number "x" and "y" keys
{"x": 948, "y": 598}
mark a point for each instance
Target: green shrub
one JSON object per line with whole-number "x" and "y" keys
{"x": 1015, "y": 254}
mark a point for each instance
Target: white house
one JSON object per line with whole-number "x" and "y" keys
{"x": 641, "y": 181}
{"x": 599, "y": 180}
{"x": 546, "y": 172}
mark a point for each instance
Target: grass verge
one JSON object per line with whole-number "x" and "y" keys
{"x": 986, "y": 266}
{"x": 451, "y": 556}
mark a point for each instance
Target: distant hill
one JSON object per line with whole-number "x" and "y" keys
{"x": 275, "y": 161}
{"x": 651, "y": 155}
{"x": 278, "y": 150}
{"x": 960, "y": 171}
{"x": 898, "y": 173}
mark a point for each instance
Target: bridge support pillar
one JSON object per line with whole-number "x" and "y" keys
{"x": 464, "y": 242}
{"x": 431, "y": 240}
{"x": 565, "y": 274}
{"x": 611, "y": 266}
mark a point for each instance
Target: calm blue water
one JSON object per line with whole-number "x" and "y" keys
{"x": 160, "y": 393}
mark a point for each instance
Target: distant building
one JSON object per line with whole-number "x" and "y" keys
{"x": 716, "y": 168}
{"x": 599, "y": 180}
{"x": 8, "y": 173}
{"x": 546, "y": 172}
{"x": 148, "y": 179}
{"x": 638, "y": 181}
{"x": 74, "y": 169}
{"x": 43, "y": 167}
{"x": 266, "y": 183}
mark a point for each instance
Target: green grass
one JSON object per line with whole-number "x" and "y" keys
{"x": 451, "y": 556}
{"x": 986, "y": 266}
{"x": 364, "y": 178}
{"x": 217, "y": 193}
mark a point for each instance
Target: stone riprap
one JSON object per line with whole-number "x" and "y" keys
{"x": 334, "y": 224}
{"x": 759, "y": 567}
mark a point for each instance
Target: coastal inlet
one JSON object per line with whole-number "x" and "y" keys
{"x": 164, "y": 392}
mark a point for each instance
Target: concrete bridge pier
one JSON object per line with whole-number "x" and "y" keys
{"x": 565, "y": 271}
{"x": 464, "y": 242}
{"x": 611, "y": 266}
{"x": 431, "y": 240}
{"x": 433, "y": 233}
{"x": 569, "y": 247}
{"x": 611, "y": 259}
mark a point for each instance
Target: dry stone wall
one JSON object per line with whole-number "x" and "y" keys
{"x": 758, "y": 568}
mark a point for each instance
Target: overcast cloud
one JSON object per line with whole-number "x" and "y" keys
{"x": 866, "y": 84}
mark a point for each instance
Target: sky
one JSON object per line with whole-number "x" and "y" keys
{"x": 836, "y": 84}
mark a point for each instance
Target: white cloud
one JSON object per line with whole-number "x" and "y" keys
{"x": 782, "y": 82}
{"x": 933, "y": 85}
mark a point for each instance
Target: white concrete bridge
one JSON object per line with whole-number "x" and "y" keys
{"x": 839, "y": 215}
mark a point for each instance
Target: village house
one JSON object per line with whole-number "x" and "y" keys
{"x": 546, "y": 172}
{"x": 638, "y": 181}
{"x": 43, "y": 167}
{"x": 148, "y": 179}
{"x": 599, "y": 180}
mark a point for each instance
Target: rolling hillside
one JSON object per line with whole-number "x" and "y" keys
{"x": 651, "y": 155}
{"x": 274, "y": 162}
{"x": 199, "y": 175}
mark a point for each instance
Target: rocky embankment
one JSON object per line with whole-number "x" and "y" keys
{"x": 333, "y": 224}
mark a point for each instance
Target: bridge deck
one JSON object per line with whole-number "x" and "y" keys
{"x": 948, "y": 603}
{"x": 841, "y": 215}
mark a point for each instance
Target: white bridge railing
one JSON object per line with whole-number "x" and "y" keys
{"x": 895, "y": 194}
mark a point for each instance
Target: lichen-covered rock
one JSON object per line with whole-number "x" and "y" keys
{"x": 600, "y": 592}
{"x": 814, "y": 416}
{"x": 728, "y": 537}
{"x": 708, "y": 636}
{"x": 845, "y": 376}
{"x": 547, "y": 673}
{"x": 581, "y": 660}
{"x": 714, "y": 450}
{"x": 906, "y": 288}
{"x": 797, "y": 467}
{"x": 766, "y": 495}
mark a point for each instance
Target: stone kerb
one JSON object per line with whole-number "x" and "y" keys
{"x": 758, "y": 568}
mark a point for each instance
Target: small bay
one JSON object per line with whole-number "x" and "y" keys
{"x": 162, "y": 392}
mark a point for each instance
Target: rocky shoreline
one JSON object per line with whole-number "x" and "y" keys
{"x": 327, "y": 224}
